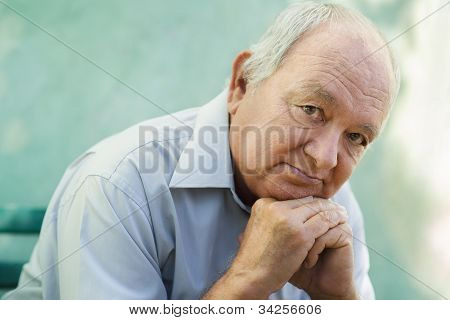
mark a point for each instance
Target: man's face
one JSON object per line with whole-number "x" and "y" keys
{"x": 304, "y": 129}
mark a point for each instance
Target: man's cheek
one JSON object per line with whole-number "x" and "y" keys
{"x": 251, "y": 159}
{"x": 275, "y": 154}
{"x": 343, "y": 172}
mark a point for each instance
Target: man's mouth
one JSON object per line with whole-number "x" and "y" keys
{"x": 302, "y": 175}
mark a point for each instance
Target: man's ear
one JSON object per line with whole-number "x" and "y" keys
{"x": 238, "y": 85}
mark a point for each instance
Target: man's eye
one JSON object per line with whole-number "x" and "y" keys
{"x": 307, "y": 115}
{"x": 357, "y": 139}
{"x": 310, "y": 110}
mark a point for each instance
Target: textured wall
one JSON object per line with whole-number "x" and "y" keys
{"x": 54, "y": 104}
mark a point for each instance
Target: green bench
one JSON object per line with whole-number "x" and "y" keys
{"x": 19, "y": 231}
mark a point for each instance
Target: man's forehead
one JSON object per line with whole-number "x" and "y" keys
{"x": 343, "y": 47}
{"x": 312, "y": 89}
{"x": 342, "y": 36}
{"x": 336, "y": 81}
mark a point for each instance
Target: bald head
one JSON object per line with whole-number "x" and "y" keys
{"x": 302, "y": 20}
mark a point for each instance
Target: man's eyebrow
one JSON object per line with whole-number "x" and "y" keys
{"x": 370, "y": 130}
{"x": 314, "y": 89}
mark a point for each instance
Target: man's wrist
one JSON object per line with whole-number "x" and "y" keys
{"x": 350, "y": 295}
{"x": 238, "y": 285}
{"x": 251, "y": 285}
{"x": 353, "y": 295}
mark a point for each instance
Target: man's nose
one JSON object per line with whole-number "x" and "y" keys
{"x": 323, "y": 149}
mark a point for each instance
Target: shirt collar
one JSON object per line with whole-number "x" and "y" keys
{"x": 205, "y": 162}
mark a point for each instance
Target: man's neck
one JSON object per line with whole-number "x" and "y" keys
{"x": 243, "y": 192}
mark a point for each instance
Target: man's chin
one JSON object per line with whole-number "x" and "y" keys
{"x": 287, "y": 191}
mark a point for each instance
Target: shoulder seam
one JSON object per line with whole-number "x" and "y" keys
{"x": 60, "y": 206}
{"x": 139, "y": 208}
{"x": 138, "y": 147}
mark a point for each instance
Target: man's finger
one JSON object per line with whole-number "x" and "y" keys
{"x": 320, "y": 223}
{"x": 295, "y": 203}
{"x": 310, "y": 209}
{"x": 336, "y": 237}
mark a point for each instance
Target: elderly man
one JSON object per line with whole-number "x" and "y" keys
{"x": 243, "y": 198}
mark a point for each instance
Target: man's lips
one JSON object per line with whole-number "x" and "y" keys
{"x": 303, "y": 176}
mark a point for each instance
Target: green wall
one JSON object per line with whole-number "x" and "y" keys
{"x": 54, "y": 104}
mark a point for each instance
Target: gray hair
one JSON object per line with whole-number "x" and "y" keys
{"x": 268, "y": 54}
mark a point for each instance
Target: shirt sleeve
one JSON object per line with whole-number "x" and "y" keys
{"x": 106, "y": 246}
{"x": 360, "y": 249}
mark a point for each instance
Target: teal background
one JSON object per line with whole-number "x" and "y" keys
{"x": 54, "y": 104}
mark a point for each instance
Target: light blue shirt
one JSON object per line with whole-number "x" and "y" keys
{"x": 151, "y": 213}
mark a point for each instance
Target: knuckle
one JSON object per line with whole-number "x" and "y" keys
{"x": 283, "y": 220}
{"x": 257, "y": 205}
{"x": 345, "y": 239}
{"x": 303, "y": 238}
{"x": 309, "y": 243}
{"x": 260, "y": 204}
{"x": 321, "y": 243}
{"x": 327, "y": 204}
{"x": 343, "y": 212}
{"x": 332, "y": 216}
{"x": 346, "y": 234}
{"x": 326, "y": 216}
{"x": 348, "y": 230}
{"x": 274, "y": 206}
{"x": 321, "y": 205}
{"x": 336, "y": 216}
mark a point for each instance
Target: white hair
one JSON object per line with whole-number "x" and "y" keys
{"x": 268, "y": 54}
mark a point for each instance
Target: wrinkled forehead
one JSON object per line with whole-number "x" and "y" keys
{"x": 351, "y": 64}
{"x": 357, "y": 43}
